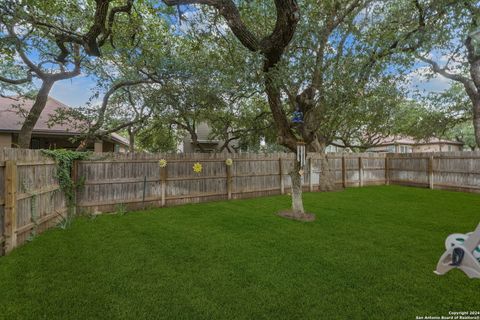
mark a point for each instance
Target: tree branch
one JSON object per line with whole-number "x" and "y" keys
{"x": 97, "y": 34}
{"x": 271, "y": 47}
{"x": 21, "y": 52}
{"x": 437, "y": 69}
{"x": 467, "y": 83}
{"x": 229, "y": 11}
{"x": 108, "y": 94}
{"x": 17, "y": 81}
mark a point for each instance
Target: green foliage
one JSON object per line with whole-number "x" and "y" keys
{"x": 157, "y": 136}
{"x": 64, "y": 159}
{"x": 203, "y": 73}
{"x": 440, "y": 114}
{"x": 120, "y": 209}
{"x": 369, "y": 255}
{"x": 465, "y": 133}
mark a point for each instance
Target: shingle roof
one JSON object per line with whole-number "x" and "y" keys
{"x": 411, "y": 141}
{"x": 11, "y": 119}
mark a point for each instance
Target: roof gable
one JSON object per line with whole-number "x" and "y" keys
{"x": 11, "y": 119}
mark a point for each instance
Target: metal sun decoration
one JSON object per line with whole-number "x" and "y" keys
{"x": 197, "y": 167}
{"x": 297, "y": 118}
{"x": 162, "y": 163}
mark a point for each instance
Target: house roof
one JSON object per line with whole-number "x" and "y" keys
{"x": 11, "y": 120}
{"x": 411, "y": 141}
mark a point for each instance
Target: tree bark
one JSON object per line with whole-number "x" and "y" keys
{"x": 48, "y": 79}
{"x": 476, "y": 120}
{"x": 284, "y": 133}
{"x": 131, "y": 137}
{"x": 297, "y": 201}
{"x": 327, "y": 175}
{"x": 194, "y": 137}
{"x": 25, "y": 134}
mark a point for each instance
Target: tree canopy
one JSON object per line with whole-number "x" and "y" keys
{"x": 245, "y": 67}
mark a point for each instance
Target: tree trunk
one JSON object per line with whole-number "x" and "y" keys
{"x": 297, "y": 201}
{"x": 286, "y": 138}
{"x": 131, "y": 137}
{"x": 194, "y": 137}
{"x": 476, "y": 120}
{"x": 82, "y": 146}
{"x": 25, "y": 134}
{"x": 327, "y": 176}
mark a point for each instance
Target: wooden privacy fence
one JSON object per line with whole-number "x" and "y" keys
{"x": 138, "y": 181}
{"x": 457, "y": 171}
{"x": 31, "y": 202}
{"x": 30, "y": 199}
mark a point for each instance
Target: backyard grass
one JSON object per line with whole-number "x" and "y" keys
{"x": 369, "y": 255}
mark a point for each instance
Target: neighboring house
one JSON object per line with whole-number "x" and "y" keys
{"x": 57, "y": 136}
{"x": 203, "y": 131}
{"x": 337, "y": 146}
{"x": 389, "y": 144}
{"x": 408, "y": 145}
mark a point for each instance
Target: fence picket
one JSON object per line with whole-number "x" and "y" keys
{"x": 31, "y": 202}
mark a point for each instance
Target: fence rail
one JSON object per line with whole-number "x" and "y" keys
{"x": 137, "y": 181}
{"x": 31, "y": 200}
{"x": 30, "y": 197}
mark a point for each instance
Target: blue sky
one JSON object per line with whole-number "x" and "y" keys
{"x": 76, "y": 92}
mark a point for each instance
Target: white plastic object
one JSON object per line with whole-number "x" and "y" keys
{"x": 470, "y": 244}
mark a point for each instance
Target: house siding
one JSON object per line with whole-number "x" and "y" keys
{"x": 5, "y": 140}
{"x": 437, "y": 148}
{"x": 203, "y": 131}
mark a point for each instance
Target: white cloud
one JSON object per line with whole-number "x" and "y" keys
{"x": 418, "y": 80}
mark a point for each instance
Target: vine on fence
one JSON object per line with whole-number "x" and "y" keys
{"x": 64, "y": 159}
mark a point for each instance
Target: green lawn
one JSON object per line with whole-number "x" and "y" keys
{"x": 369, "y": 255}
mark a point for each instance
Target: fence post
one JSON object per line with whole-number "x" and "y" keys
{"x": 163, "y": 181}
{"x": 229, "y": 181}
{"x": 310, "y": 174}
{"x": 387, "y": 175}
{"x": 10, "y": 222}
{"x": 360, "y": 172}
{"x": 344, "y": 172}
{"x": 430, "y": 172}
{"x": 280, "y": 170}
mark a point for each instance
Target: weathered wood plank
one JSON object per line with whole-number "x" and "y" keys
{"x": 111, "y": 181}
{"x": 52, "y": 216}
{"x": 10, "y": 223}
{"x": 21, "y": 196}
